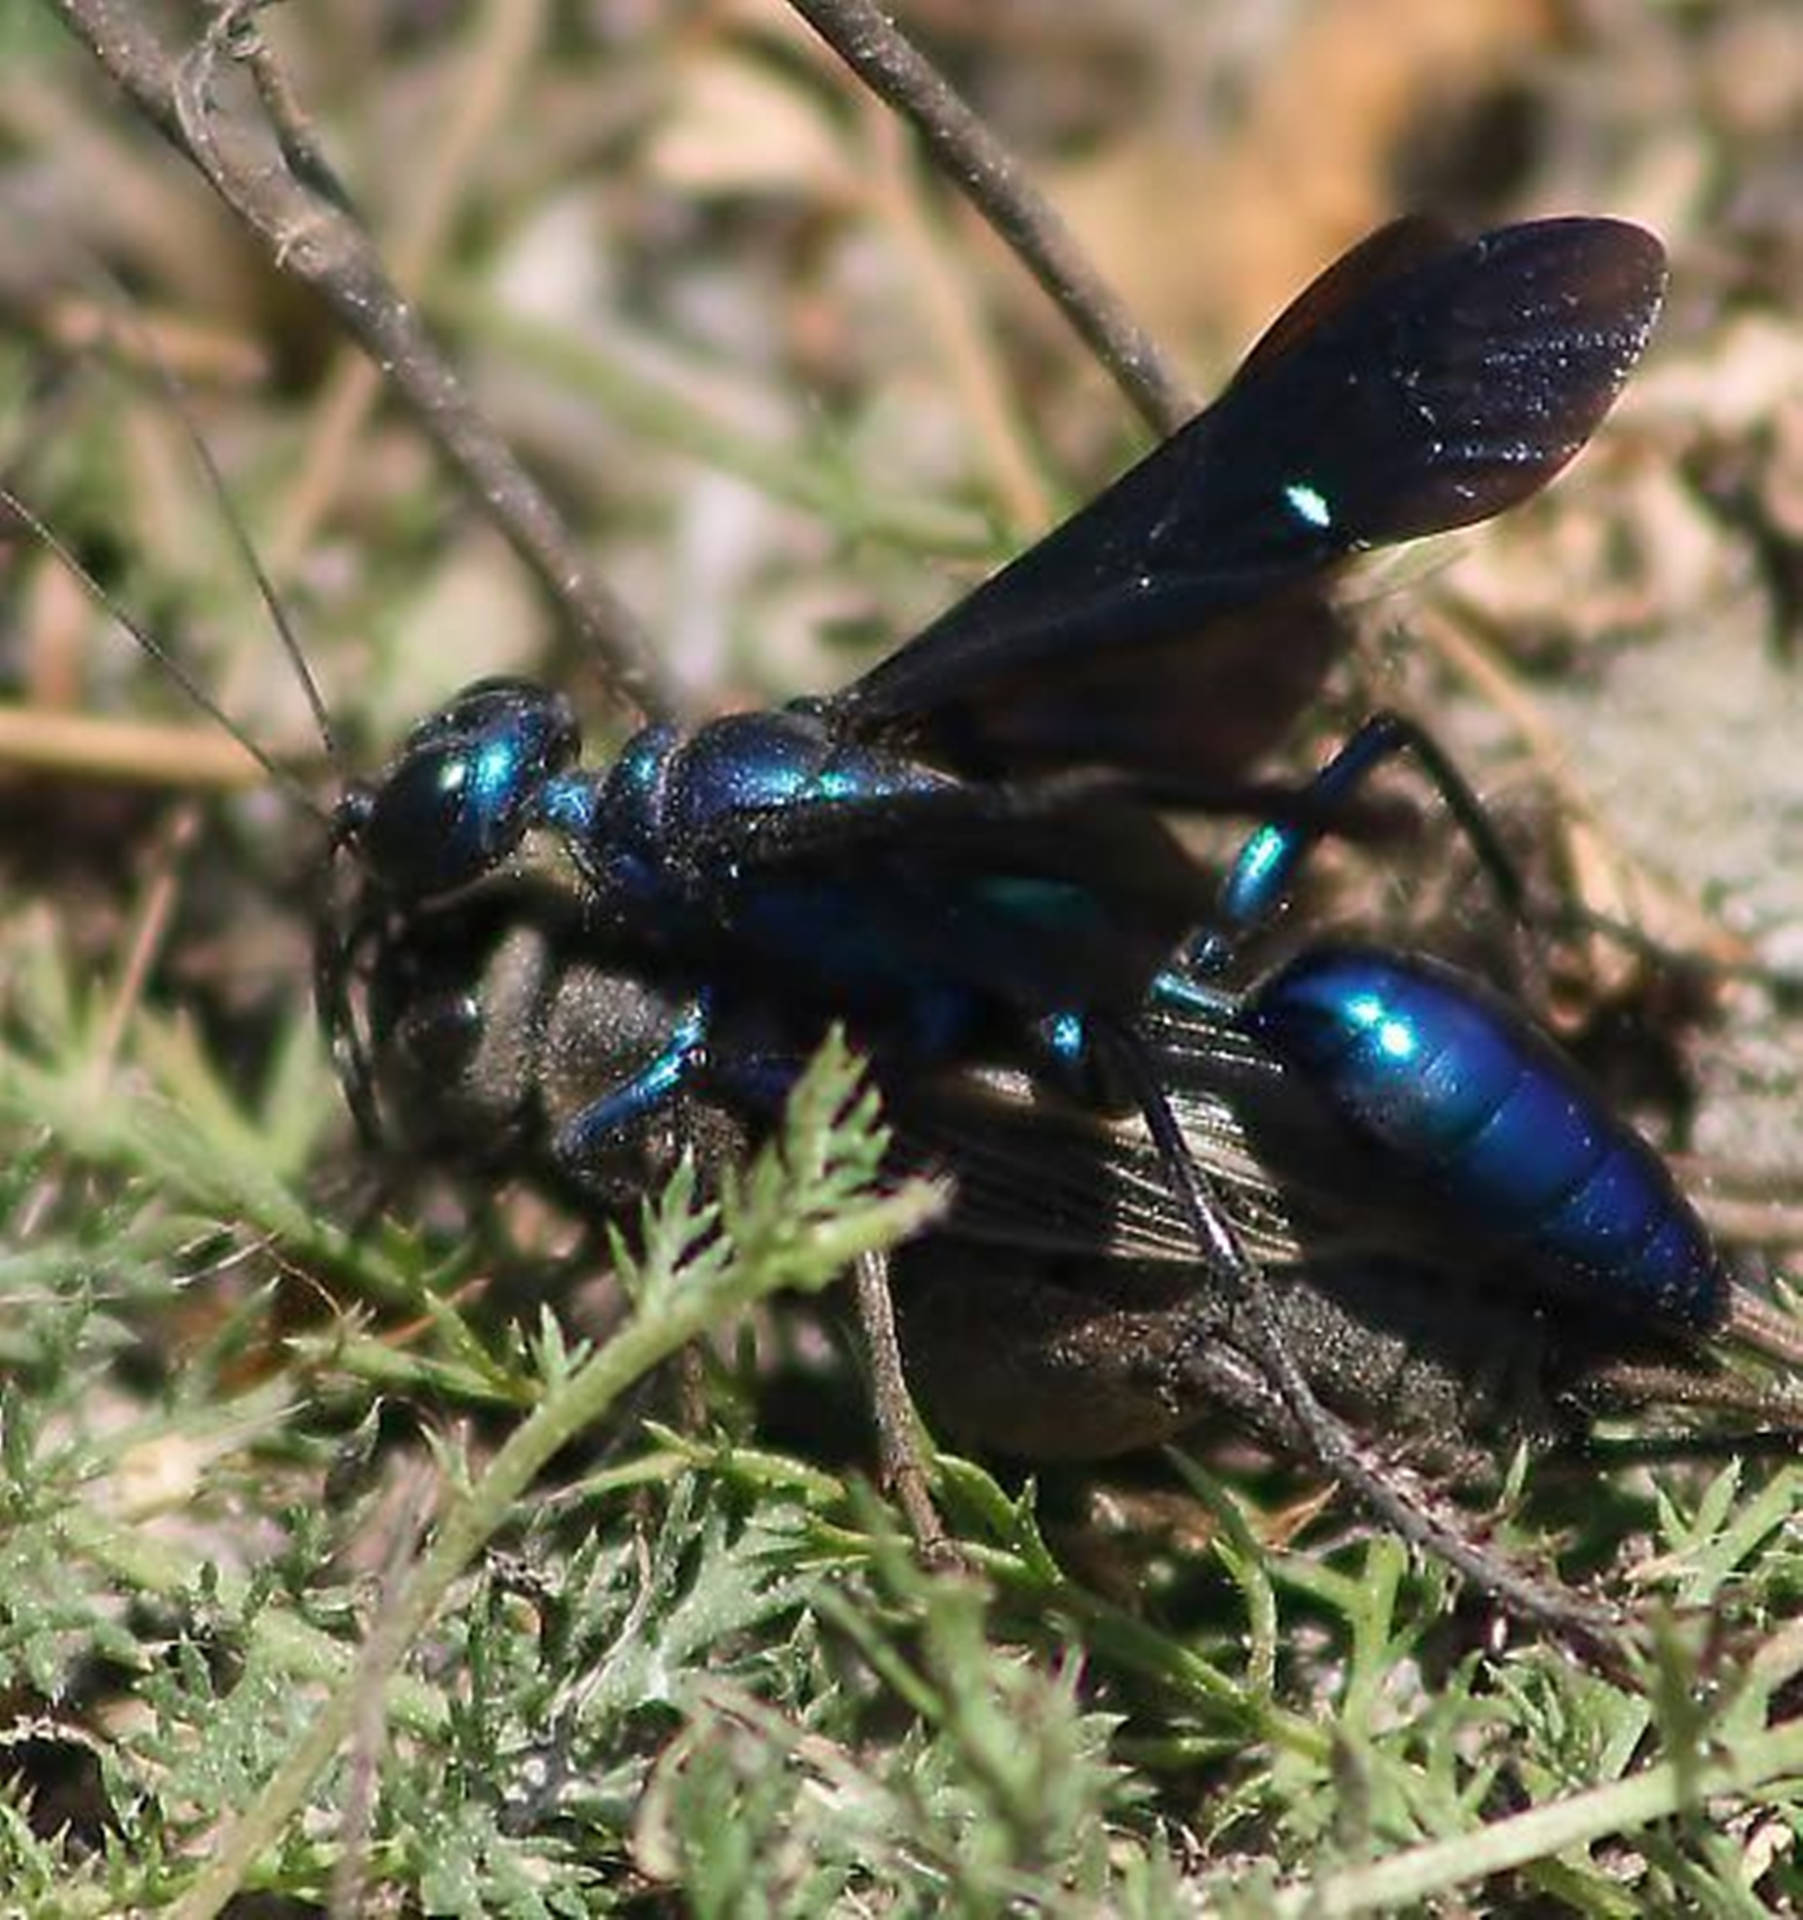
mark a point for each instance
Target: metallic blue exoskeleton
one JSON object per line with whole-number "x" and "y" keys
{"x": 1482, "y": 1110}
{"x": 964, "y": 855}
{"x": 1464, "y": 1103}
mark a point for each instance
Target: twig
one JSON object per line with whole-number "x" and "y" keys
{"x": 313, "y": 239}
{"x": 506, "y": 35}
{"x": 993, "y": 181}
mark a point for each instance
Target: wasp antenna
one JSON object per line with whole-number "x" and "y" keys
{"x": 253, "y": 565}
{"x": 40, "y": 530}
{"x": 118, "y": 304}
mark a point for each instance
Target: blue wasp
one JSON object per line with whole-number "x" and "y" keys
{"x": 965, "y": 857}
{"x": 966, "y": 854}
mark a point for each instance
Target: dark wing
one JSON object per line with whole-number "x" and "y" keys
{"x": 1045, "y": 895}
{"x": 1173, "y": 627}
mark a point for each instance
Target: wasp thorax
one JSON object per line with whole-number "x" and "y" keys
{"x": 464, "y": 789}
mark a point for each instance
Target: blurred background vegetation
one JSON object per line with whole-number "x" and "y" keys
{"x": 795, "y": 397}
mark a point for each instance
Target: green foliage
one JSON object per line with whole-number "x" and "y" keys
{"x": 328, "y": 1575}
{"x": 696, "y": 1663}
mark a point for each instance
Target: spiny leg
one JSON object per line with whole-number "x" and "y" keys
{"x": 901, "y": 1463}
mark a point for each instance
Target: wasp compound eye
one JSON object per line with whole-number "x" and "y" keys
{"x": 465, "y": 787}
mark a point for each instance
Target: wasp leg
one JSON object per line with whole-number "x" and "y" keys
{"x": 649, "y": 1090}
{"x": 1267, "y": 865}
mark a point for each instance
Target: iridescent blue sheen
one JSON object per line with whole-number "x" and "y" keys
{"x": 465, "y": 786}
{"x": 628, "y": 1103}
{"x": 1451, "y": 1080}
